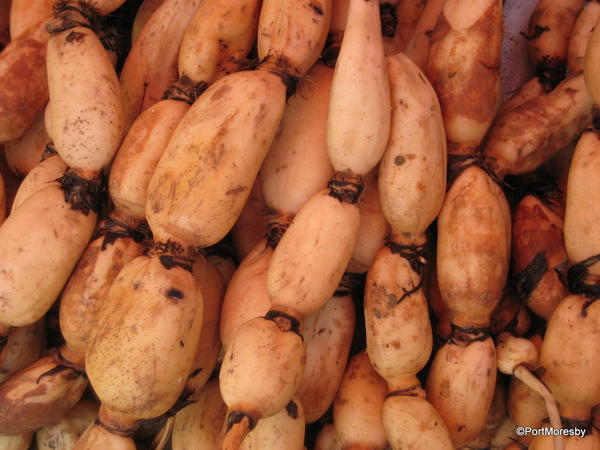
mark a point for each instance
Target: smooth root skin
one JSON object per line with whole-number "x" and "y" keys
{"x": 139, "y": 154}
{"x": 23, "y": 348}
{"x": 143, "y": 81}
{"x": 252, "y": 223}
{"x": 105, "y": 7}
{"x": 309, "y": 261}
{"x": 373, "y": 227}
{"x": 558, "y": 17}
{"x": 460, "y": 386}
{"x": 246, "y": 296}
{"x": 464, "y": 68}
{"x": 152, "y": 320}
{"x": 205, "y": 175}
{"x": 25, "y": 13}
{"x": 408, "y": 13}
{"x": 412, "y": 173}
{"x": 291, "y": 34}
{"x": 591, "y": 441}
{"x": 212, "y": 285}
{"x": 537, "y": 228}
{"x": 35, "y": 266}
{"x": 495, "y": 417}
{"x": 327, "y": 439}
{"x": 530, "y": 134}
{"x": 417, "y": 48}
{"x": 97, "y": 437}
{"x": 297, "y": 165}
{"x": 571, "y": 377}
{"x": 411, "y": 422}
{"x": 274, "y": 357}
{"x": 24, "y": 153}
{"x": 526, "y": 408}
{"x": 198, "y": 426}
{"x": 327, "y": 336}
{"x": 283, "y": 431}
{"x": 23, "y": 77}
{"x": 85, "y": 100}
{"x": 220, "y": 33}
{"x": 357, "y": 410}
{"x": 85, "y": 294}
{"x": 65, "y": 433}
{"x": 39, "y": 178}
{"x": 16, "y": 442}
{"x": 399, "y": 337}
{"x": 358, "y": 125}
{"x": 591, "y": 71}
{"x": 473, "y": 249}
{"x": 39, "y": 395}
{"x": 142, "y": 16}
{"x": 581, "y": 231}
{"x": 580, "y": 36}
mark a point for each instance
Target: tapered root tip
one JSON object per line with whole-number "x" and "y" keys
{"x": 238, "y": 426}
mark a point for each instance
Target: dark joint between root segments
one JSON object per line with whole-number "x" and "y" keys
{"x": 526, "y": 281}
{"x": 127, "y": 433}
{"x": 294, "y": 324}
{"x": 235, "y": 417}
{"x": 467, "y": 335}
{"x": 576, "y": 276}
{"x": 345, "y": 187}
{"x": 408, "y": 392}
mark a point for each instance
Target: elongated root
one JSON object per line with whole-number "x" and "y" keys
{"x": 526, "y": 377}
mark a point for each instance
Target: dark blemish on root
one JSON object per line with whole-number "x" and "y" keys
{"x": 292, "y": 409}
{"x": 389, "y": 19}
{"x": 195, "y": 373}
{"x": 181, "y": 344}
{"x": 75, "y": 36}
{"x": 316, "y": 8}
{"x": 399, "y": 160}
{"x": 461, "y": 427}
{"x": 428, "y": 33}
{"x": 136, "y": 285}
{"x": 175, "y": 293}
{"x": 537, "y": 32}
{"x": 236, "y": 190}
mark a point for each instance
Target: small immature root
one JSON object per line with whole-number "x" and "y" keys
{"x": 238, "y": 425}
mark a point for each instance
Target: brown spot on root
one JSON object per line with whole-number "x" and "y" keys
{"x": 316, "y": 8}
{"x": 236, "y": 190}
{"x": 195, "y": 373}
{"x": 175, "y": 294}
{"x": 292, "y": 409}
{"x": 399, "y": 160}
{"x": 75, "y": 36}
